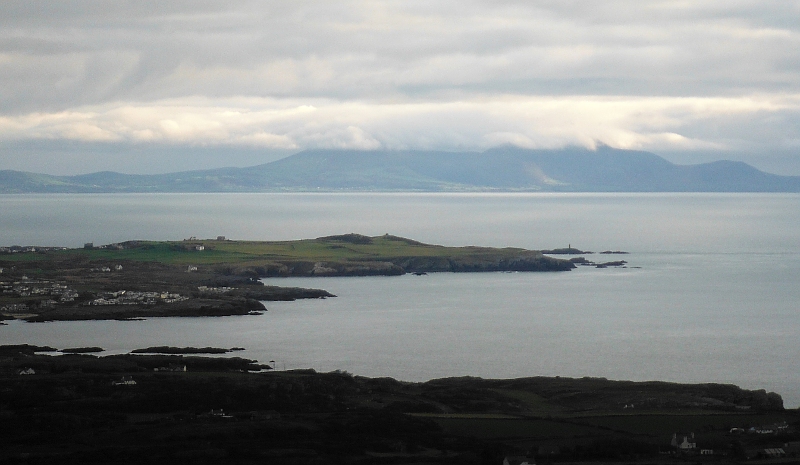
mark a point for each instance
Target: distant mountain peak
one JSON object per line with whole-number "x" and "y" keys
{"x": 503, "y": 168}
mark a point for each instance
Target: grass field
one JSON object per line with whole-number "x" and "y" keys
{"x": 350, "y": 247}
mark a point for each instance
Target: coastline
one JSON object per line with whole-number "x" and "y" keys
{"x": 219, "y": 277}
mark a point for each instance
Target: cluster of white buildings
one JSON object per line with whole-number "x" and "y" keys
{"x": 686, "y": 444}
{"x": 14, "y": 308}
{"x": 124, "y": 381}
{"x": 214, "y": 290}
{"x": 107, "y": 269}
{"x": 28, "y": 249}
{"x": 137, "y": 298}
{"x": 28, "y": 288}
{"x": 62, "y": 294}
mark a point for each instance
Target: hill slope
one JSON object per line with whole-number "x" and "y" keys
{"x": 504, "y": 169}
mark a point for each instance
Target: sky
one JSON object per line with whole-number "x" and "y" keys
{"x": 151, "y": 86}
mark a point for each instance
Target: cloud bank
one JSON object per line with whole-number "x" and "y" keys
{"x": 707, "y": 76}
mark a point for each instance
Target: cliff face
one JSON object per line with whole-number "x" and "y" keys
{"x": 402, "y": 265}
{"x": 530, "y": 261}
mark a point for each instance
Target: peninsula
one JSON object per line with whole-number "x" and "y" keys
{"x": 218, "y": 277}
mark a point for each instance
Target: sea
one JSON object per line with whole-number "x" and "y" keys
{"x": 710, "y": 294}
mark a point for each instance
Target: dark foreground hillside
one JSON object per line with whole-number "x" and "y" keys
{"x": 129, "y": 408}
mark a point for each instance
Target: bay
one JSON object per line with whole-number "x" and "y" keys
{"x": 711, "y": 293}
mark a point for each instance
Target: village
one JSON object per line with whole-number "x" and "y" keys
{"x": 742, "y": 442}
{"x": 25, "y": 296}
{"x": 28, "y": 249}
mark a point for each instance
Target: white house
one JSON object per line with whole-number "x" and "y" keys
{"x": 684, "y": 442}
{"x": 124, "y": 381}
{"x": 173, "y": 368}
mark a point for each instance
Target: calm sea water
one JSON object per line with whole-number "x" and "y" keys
{"x": 712, "y": 293}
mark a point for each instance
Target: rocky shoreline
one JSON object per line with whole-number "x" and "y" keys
{"x": 192, "y": 308}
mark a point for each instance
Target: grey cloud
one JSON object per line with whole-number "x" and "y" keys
{"x": 102, "y": 12}
{"x": 88, "y": 56}
{"x": 751, "y": 132}
{"x": 60, "y": 157}
{"x": 370, "y": 49}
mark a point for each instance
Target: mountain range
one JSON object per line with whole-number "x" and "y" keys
{"x": 500, "y": 169}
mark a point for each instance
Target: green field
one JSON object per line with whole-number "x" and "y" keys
{"x": 381, "y": 247}
{"x": 344, "y": 252}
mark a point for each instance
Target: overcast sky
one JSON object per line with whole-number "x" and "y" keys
{"x": 153, "y": 86}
